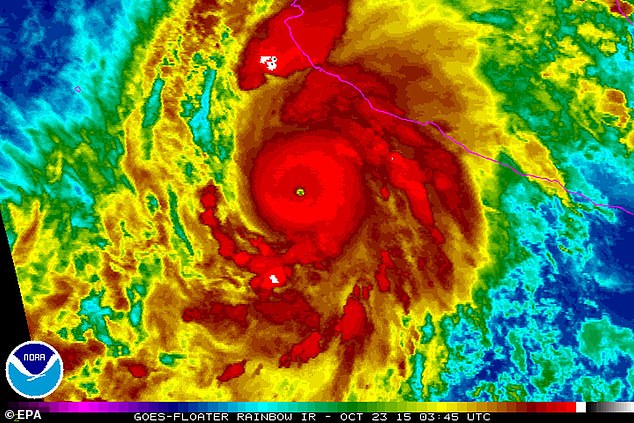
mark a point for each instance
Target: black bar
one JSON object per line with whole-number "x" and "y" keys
{"x": 279, "y": 417}
{"x": 16, "y": 330}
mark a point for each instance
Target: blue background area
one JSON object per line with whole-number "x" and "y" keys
{"x": 30, "y": 70}
{"x": 34, "y": 367}
{"x": 36, "y": 387}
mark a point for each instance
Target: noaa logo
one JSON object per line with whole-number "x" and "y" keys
{"x": 34, "y": 369}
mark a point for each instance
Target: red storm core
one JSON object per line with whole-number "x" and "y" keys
{"x": 311, "y": 185}
{"x": 308, "y": 187}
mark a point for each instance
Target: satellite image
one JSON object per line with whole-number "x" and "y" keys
{"x": 323, "y": 200}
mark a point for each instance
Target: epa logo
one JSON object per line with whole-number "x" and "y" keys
{"x": 34, "y": 369}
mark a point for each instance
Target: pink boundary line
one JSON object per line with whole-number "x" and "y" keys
{"x": 430, "y": 123}
{"x": 618, "y": 6}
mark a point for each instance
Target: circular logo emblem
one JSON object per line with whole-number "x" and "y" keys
{"x": 34, "y": 369}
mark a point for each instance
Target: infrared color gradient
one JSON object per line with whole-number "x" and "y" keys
{"x": 323, "y": 407}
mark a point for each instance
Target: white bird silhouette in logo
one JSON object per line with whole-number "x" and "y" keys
{"x": 18, "y": 365}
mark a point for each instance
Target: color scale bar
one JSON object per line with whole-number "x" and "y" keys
{"x": 324, "y": 407}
